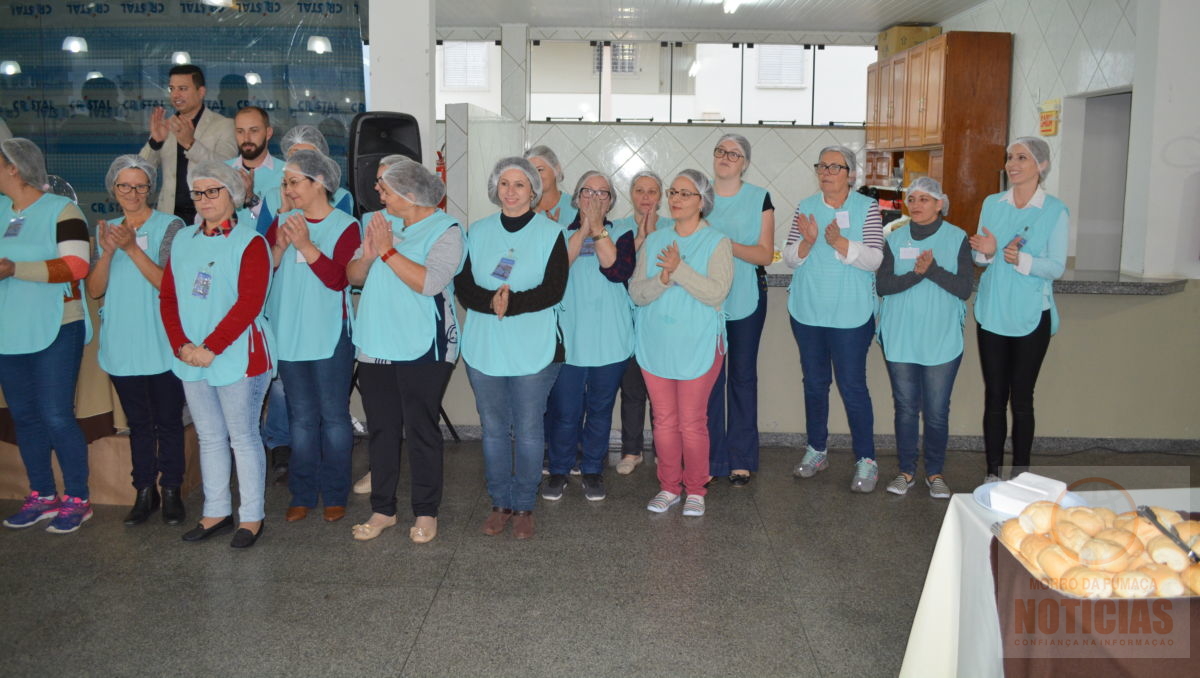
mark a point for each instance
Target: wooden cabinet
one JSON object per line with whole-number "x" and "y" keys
{"x": 948, "y": 99}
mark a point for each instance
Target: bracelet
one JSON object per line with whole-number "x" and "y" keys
{"x": 388, "y": 254}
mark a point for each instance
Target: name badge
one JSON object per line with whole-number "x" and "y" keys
{"x": 588, "y": 248}
{"x": 14, "y": 227}
{"x": 504, "y": 268}
{"x": 300, "y": 257}
{"x": 843, "y": 219}
{"x": 143, "y": 242}
{"x": 202, "y": 285}
{"x": 396, "y": 240}
{"x": 910, "y": 252}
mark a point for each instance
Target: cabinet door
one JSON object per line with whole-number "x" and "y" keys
{"x": 935, "y": 86}
{"x": 884, "y": 135}
{"x": 937, "y": 166}
{"x": 872, "y": 117}
{"x": 897, "y": 107}
{"x": 914, "y": 107}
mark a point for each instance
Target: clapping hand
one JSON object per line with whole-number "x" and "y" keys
{"x": 158, "y": 125}
{"x": 924, "y": 261}
{"x": 668, "y": 261}
{"x": 379, "y": 236}
{"x": 1012, "y": 251}
{"x": 833, "y": 236}
{"x": 500, "y": 301}
{"x": 185, "y": 131}
{"x": 296, "y": 228}
{"x": 122, "y": 236}
{"x": 983, "y": 242}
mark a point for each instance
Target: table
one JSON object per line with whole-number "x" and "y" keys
{"x": 958, "y": 604}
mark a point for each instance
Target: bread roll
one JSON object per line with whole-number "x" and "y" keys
{"x": 1032, "y": 545}
{"x": 1167, "y": 584}
{"x": 1126, "y": 539}
{"x": 1085, "y": 518}
{"x": 1087, "y": 583}
{"x": 1133, "y": 584}
{"x": 1144, "y": 529}
{"x": 1038, "y": 517}
{"x": 1141, "y": 561}
{"x": 1011, "y": 534}
{"x": 1069, "y": 535}
{"x": 1106, "y": 514}
{"x": 1165, "y": 552}
{"x": 1191, "y": 578}
{"x": 1104, "y": 555}
{"x": 1055, "y": 561}
{"x": 1166, "y": 516}
{"x": 1188, "y": 530}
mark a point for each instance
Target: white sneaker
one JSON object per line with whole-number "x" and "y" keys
{"x": 363, "y": 484}
{"x": 901, "y": 484}
{"x": 694, "y": 506}
{"x": 662, "y": 501}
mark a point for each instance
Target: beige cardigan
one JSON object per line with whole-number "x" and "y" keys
{"x": 214, "y": 141}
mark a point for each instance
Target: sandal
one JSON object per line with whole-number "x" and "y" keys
{"x": 423, "y": 535}
{"x": 366, "y": 531}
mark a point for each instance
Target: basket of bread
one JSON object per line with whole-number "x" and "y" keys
{"x": 1093, "y": 552}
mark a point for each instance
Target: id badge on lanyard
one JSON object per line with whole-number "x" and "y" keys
{"x": 505, "y": 266}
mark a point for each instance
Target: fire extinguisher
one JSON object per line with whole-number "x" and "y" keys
{"x": 441, "y": 170}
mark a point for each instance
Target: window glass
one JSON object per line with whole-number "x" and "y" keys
{"x": 777, "y": 89}
{"x": 467, "y": 73}
{"x": 840, "y": 84}
{"x": 643, "y": 94}
{"x": 708, "y": 79}
{"x": 564, "y": 84}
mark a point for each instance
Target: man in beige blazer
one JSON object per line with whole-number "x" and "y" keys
{"x": 193, "y": 134}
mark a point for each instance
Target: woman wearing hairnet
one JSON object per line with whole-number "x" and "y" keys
{"x": 834, "y": 246}
{"x": 513, "y": 277}
{"x": 299, "y": 138}
{"x": 213, "y": 290}
{"x": 406, "y": 332}
{"x": 309, "y": 312}
{"x": 1022, "y": 240}
{"x": 742, "y": 212}
{"x": 682, "y": 278}
{"x": 597, "y": 326}
{"x": 127, "y": 274}
{"x": 43, "y": 328}
{"x": 925, "y": 279}
{"x": 555, "y": 204}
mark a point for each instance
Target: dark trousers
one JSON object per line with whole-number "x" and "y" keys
{"x": 733, "y": 432}
{"x": 633, "y": 409}
{"x": 1010, "y": 371}
{"x": 402, "y": 401}
{"x": 153, "y": 405}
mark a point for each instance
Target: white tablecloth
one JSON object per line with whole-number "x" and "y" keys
{"x": 956, "y": 631}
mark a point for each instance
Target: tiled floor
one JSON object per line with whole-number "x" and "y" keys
{"x": 781, "y": 578}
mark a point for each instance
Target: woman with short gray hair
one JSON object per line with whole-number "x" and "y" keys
{"x": 514, "y": 275}
{"x": 127, "y": 273}
{"x": 558, "y": 206}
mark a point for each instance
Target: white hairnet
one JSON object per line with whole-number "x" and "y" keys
{"x": 389, "y": 160}
{"x": 645, "y": 173}
{"x": 549, "y": 156}
{"x": 848, "y": 157}
{"x": 221, "y": 173}
{"x": 1040, "y": 151}
{"x": 28, "y": 159}
{"x": 579, "y": 184}
{"x": 124, "y": 162}
{"x": 304, "y": 134}
{"x": 320, "y": 168}
{"x": 703, "y": 187}
{"x": 741, "y": 141}
{"x": 535, "y": 181}
{"x": 930, "y": 187}
{"x": 407, "y": 177}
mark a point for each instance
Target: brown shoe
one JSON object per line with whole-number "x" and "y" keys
{"x": 523, "y": 524}
{"x": 334, "y": 513}
{"x": 496, "y": 521}
{"x": 295, "y": 513}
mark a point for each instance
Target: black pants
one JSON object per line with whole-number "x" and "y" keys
{"x": 1010, "y": 371}
{"x": 633, "y": 409}
{"x": 153, "y": 406}
{"x": 402, "y": 401}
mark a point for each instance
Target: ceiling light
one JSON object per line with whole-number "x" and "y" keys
{"x": 253, "y": 78}
{"x": 731, "y": 6}
{"x": 10, "y": 68}
{"x": 319, "y": 44}
{"x": 694, "y": 69}
{"x": 181, "y": 58}
{"x": 218, "y": 3}
{"x": 74, "y": 44}
{"x": 92, "y": 75}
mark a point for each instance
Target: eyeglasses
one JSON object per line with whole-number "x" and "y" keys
{"x": 822, "y": 168}
{"x": 586, "y": 192}
{"x": 719, "y": 152}
{"x": 292, "y": 183}
{"x": 126, "y": 189}
{"x": 210, "y": 193}
{"x": 672, "y": 193}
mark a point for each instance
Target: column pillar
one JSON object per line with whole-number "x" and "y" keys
{"x": 514, "y": 72}
{"x": 403, "y": 64}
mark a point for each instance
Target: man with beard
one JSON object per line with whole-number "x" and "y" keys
{"x": 262, "y": 171}
{"x": 193, "y": 134}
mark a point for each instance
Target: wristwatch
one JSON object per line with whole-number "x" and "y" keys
{"x": 602, "y": 234}
{"x": 252, "y": 200}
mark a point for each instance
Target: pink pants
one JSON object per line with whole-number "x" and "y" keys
{"x": 680, "y": 410}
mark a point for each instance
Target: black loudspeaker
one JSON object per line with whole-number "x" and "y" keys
{"x": 373, "y": 136}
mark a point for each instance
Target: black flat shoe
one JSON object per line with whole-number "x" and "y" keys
{"x": 244, "y": 539}
{"x": 738, "y": 480}
{"x": 144, "y": 505}
{"x": 173, "y": 512}
{"x": 200, "y": 533}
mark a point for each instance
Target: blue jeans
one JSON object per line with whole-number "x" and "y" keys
{"x": 511, "y": 411}
{"x": 318, "y": 404}
{"x": 276, "y": 431}
{"x": 40, "y": 391}
{"x": 227, "y": 416}
{"x": 733, "y": 435}
{"x": 922, "y": 390}
{"x": 580, "y": 389}
{"x": 829, "y": 351}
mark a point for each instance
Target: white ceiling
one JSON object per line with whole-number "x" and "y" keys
{"x": 705, "y": 15}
